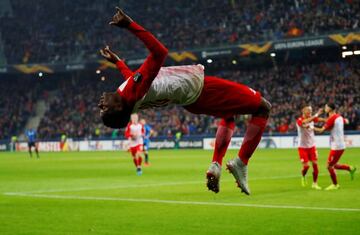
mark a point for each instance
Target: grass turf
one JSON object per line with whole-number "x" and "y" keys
{"x": 99, "y": 193}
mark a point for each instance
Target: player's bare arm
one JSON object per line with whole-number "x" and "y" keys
{"x": 319, "y": 129}
{"x": 119, "y": 104}
{"x": 310, "y": 119}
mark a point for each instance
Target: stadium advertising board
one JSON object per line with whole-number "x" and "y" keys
{"x": 345, "y": 38}
{"x": 3, "y": 147}
{"x": 105, "y": 145}
{"x": 322, "y": 141}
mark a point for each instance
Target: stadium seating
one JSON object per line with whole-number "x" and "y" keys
{"x": 73, "y": 107}
{"x": 49, "y": 37}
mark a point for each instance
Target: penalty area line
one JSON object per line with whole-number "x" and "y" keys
{"x": 174, "y": 202}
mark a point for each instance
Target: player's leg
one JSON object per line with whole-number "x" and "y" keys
{"x": 146, "y": 152}
{"x": 304, "y": 170}
{"x": 315, "y": 175}
{"x": 304, "y": 158}
{"x": 346, "y": 167}
{"x": 30, "y": 151}
{"x": 313, "y": 157}
{"x": 333, "y": 158}
{"x": 223, "y": 136}
{"x": 254, "y": 131}
{"x": 223, "y": 98}
{"x": 138, "y": 160}
{"x": 36, "y": 150}
{"x": 133, "y": 155}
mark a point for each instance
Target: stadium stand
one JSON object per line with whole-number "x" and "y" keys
{"x": 50, "y": 37}
{"x": 73, "y": 110}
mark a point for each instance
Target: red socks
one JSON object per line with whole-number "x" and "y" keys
{"x": 252, "y": 138}
{"x": 342, "y": 167}
{"x": 137, "y": 161}
{"x": 315, "y": 172}
{"x": 223, "y": 136}
{"x": 333, "y": 175}
{"x": 304, "y": 170}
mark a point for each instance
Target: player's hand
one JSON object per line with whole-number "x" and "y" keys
{"x": 319, "y": 112}
{"x": 109, "y": 55}
{"x": 120, "y": 19}
{"x": 346, "y": 121}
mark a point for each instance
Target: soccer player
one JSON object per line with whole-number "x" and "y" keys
{"x": 335, "y": 123}
{"x": 306, "y": 143}
{"x": 148, "y": 132}
{"x": 31, "y": 136}
{"x": 134, "y": 132}
{"x": 154, "y": 86}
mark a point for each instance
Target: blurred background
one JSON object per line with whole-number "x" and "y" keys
{"x": 293, "y": 51}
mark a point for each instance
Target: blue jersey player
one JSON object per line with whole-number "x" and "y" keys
{"x": 148, "y": 132}
{"x": 31, "y": 136}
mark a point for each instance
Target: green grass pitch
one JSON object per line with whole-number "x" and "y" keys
{"x": 99, "y": 193}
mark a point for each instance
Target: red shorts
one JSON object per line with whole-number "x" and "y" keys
{"x": 223, "y": 98}
{"x": 334, "y": 156}
{"x": 136, "y": 149}
{"x": 308, "y": 154}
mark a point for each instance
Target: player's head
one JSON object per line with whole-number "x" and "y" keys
{"x": 306, "y": 111}
{"x": 134, "y": 118}
{"x": 329, "y": 107}
{"x": 113, "y": 111}
{"x": 142, "y": 121}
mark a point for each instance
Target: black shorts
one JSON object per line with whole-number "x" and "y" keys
{"x": 31, "y": 144}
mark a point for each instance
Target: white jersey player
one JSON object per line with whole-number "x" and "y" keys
{"x": 306, "y": 143}
{"x": 335, "y": 124}
{"x": 134, "y": 133}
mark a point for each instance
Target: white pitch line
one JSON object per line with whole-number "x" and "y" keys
{"x": 147, "y": 185}
{"x": 137, "y": 200}
{"x": 152, "y": 185}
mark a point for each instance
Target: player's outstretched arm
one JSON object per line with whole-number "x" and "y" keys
{"x": 156, "y": 48}
{"x": 112, "y": 57}
{"x": 150, "y": 68}
{"x": 312, "y": 118}
{"x": 319, "y": 129}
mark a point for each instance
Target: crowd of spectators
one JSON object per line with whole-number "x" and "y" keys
{"x": 69, "y": 31}
{"x": 16, "y": 106}
{"x": 73, "y": 109}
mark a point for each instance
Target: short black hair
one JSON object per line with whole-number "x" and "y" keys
{"x": 116, "y": 119}
{"x": 331, "y": 105}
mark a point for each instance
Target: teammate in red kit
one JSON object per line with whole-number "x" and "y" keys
{"x": 134, "y": 133}
{"x": 306, "y": 143}
{"x": 154, "y": 86}
{"x": 335, "y": 124}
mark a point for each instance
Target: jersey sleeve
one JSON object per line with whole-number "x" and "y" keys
{"x": 140, "y": 81}
{"x": 127, "y": 131}
{"x": 316, "y": 120}
{"x": 299, "y": 121}
{"x": 124, "y": 69}
{"x": 330, "y": 123}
